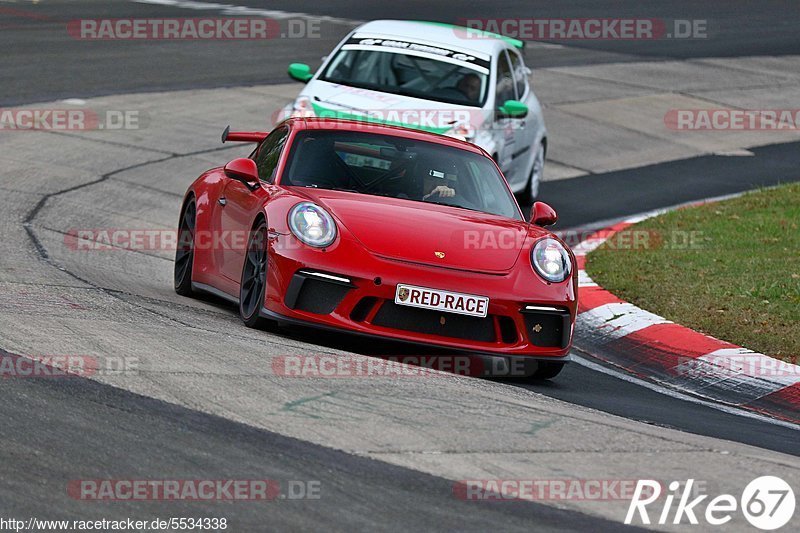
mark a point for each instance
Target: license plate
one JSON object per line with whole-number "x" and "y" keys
{"x": 450, "y": 302}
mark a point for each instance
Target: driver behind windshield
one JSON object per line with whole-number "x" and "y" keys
{"x": 470, "y": 87}
{"x": 440, "y": 182}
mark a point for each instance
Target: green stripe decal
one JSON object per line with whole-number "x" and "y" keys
{"x": 477, "y": 32}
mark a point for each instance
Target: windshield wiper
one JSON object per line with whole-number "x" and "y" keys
{"x": 454, "y": 205}
{"x": 315, "y": 186}
{"x": 369, "y": 86}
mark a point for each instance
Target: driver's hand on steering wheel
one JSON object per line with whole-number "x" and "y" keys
{"x": 443, "y": 191}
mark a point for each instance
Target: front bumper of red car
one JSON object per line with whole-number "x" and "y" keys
{"x": 350, "y": 289}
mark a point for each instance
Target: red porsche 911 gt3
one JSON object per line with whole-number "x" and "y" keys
{"x": 378, "y": 230}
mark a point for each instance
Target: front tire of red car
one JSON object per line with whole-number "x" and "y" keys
{"x": 547, "y": 370}
{"x": 253, "y": 285}
{"x": 184, "y": 253}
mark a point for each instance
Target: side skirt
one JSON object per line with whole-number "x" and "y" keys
{"x": 202, "y": 287}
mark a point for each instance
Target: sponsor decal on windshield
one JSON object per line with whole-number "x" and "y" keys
{"x": 475, "y": 60}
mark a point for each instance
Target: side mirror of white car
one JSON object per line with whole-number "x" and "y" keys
{"x": 300, "y": 72}
{"x": 512, "y": 109}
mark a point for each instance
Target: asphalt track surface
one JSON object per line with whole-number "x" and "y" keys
{"x": 56, "y": 430}
{"x": 42, "y": 62}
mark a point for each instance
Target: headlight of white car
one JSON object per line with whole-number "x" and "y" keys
{"x": 551, "y": 260}
{"x": 462, "y": 130}
{"x": 302, "y": 108}
{"x": 312, "y": 225}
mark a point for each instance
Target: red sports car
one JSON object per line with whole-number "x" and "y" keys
{"x": 383, "y": 231}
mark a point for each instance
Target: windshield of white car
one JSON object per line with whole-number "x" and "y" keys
{"x": 408, "y": 75}
{"x": 384, "y": 165}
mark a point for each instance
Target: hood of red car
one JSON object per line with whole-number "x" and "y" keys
{"x": 427, "y": 233}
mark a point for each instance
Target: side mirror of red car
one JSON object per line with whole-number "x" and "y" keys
{"x": 543, "y": 215}
{"x": 242, "y": 169}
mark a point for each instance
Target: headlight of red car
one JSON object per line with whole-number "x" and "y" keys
{"x": 312, "y": 225}
{"x": 551, "y": 260}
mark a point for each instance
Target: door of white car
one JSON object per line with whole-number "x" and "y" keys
{"x": 503, "y": 127}
{"x": 524, "y": 128}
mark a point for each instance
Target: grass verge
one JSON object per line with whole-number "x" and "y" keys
{"x": 729, "y": 269}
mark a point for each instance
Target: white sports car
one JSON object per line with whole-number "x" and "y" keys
{"x": 436, "y": 77}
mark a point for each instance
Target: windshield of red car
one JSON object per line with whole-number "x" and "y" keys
{"x": 384, "y": 165}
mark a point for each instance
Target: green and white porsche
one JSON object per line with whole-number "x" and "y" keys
{"x": 446, "y": 79}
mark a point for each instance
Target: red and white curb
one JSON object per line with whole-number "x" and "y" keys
{"x": 650, "y": 346}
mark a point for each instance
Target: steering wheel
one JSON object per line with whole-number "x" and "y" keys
{"x": 456, "y": 201}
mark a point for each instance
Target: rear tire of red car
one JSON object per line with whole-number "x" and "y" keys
{"x": 547, "y": 370}
{"x": 184, "y": 253}
{"x": 253, "y": 284}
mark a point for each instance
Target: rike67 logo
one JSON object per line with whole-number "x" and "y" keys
{"x": 767, "y": 503}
